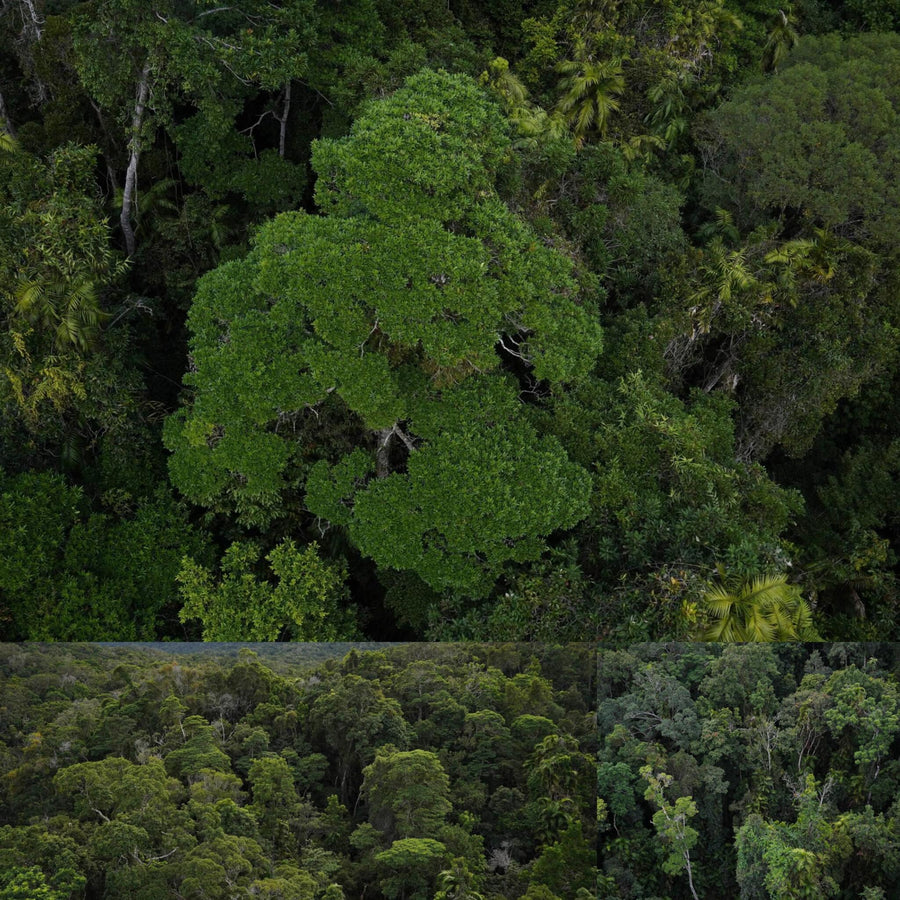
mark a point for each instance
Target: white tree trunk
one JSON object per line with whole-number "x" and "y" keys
{"x": 383, "y": 452}
{"x": 31, "y": 34}
{"x": 134, "y": 145}
{"x": 690, "y": 874}
{"x": 33, "y": 29}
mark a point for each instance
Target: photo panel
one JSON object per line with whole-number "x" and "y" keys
{"x": 295, "y": 771}
{"x": 749, "y": 771}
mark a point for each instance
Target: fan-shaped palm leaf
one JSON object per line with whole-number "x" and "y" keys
{"x": 782, "y": 39}
{"x": 765, "y": 608}
{"x": 590, "y": 91}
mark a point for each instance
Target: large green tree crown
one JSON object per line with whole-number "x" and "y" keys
{"x": 405, "y": 302}
{"x": 431, "y": 149}
{"x": 343, "y": 303}
{"x": 819, "y": 137}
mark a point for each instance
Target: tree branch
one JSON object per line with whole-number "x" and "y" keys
{"x": 283, "y": 118}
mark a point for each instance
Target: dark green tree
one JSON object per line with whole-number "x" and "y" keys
{"x": 407, "y": 794}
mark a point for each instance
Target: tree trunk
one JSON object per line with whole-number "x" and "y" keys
{"x": 32, "y": 32}
{"x": 110, "y": 142}
{"x": 383, "y": 452}
{"x": 4, "y": 115}
{"x": 134, "y": 145}
{"x": 33, "y": 29}
{"x": 283, "y": 119}
{"x": 690, "y": 875}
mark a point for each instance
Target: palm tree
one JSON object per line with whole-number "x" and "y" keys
{"x": 762, "y": 608}
{"x": 671, "y": 109}
{"x": 533, "y": 123}
{"x": 782, "y": 39}
{"x": 457, "y": 883}
{"x": 590, "y": 88}
{"x": 556, "y": 817}
{"x": 553, "y": 766}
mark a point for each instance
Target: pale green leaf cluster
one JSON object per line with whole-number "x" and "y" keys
{"x": 304, "y": 602}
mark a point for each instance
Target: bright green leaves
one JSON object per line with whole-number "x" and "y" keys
{"x": 329, "y": 305}
{"x": 796, "y": 860}
{"x": 764, "y": 608}
{"x": 246, "y": 468}
{"x": 291, "y": 883}
{"x": 869, "y": 708}
{"x": 210, "y": 59}
{"x": 409, "y": 867}
{"x": 217, "y": 868}
{"x": 430, "y": 150}
{"x": 60, "y": 242}
{"x": 671, "y": 822}
{"x": 369, "y": 289}
{"x": 224, "y": 778}
{"x": 250, "y": 375}
{"x": 275, "y": 800}
{"x": 28, "y": 884}
{"x": 200, "y": 753}
{"x": 670, "y": 500}
{"x": 66, "y": 574}
{"x": 630, "y": 72}
{"x": 468, "y": 503}
{"x": 778, "y": 790}
{"x": 354, "y": 719}
{"x": 474, "y": 495}
{"x": 234, "y": 333}
{"x": 414, "y": 292}
{"x": 330, "y": 489}
{"x": 566, "y": 868}
{"x": 304, "y": 602}
{"x": 807, "y": 322}
{"x": 419, "y": 282}
{"x": 557, "y": 769}
{"x": 114, "y": 788}
{"x": 590, "y": 87}
{"x": 458, "y": 883}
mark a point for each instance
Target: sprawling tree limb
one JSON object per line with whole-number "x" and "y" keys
{"x": 405, "y": 438}
{"x": 134, "y": 145}
{"x": 283, "y": 118}
{"x": 384, "y": 437}
{"x": 136, "y": 856}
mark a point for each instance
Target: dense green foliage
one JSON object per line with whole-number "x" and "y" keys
{"x": 414, "y": 772}
{"x": 449, "y": 321}
{"x": 749, "y": 771}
